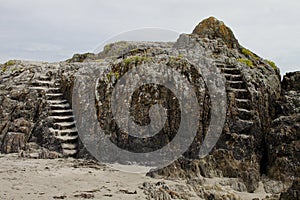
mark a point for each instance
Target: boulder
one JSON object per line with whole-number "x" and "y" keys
{"x": 13, "y": 142}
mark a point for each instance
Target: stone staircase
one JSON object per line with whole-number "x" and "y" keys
{"x": 242, "y": 98}
{"x": 61, "y": 113}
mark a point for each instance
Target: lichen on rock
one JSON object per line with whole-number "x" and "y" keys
{"x": 260, "y": 136}
{"x": 212, "y": 28}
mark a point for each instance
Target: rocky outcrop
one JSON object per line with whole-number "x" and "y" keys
{"x": 291, "y": 82}
{"x": 292, "y": 193}
{"x": 283, "y": 140}
{"x": 213, "y": 29}
{"x": 260, "y": 134}
{"x": 34, "y": 110}
{"x": 252, "y": 90}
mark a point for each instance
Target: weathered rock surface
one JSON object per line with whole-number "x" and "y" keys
{"x": 292, "y": 193}
{"x": 34, "y": 110}
{"x": 260, "y": 135}
{"x": 251, "y": 93}
{"x": 283, "y": 140}
{"x": 213, "y": 29}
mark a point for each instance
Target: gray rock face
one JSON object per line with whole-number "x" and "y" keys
{"x": 261, "y": 130}
{"x": 290, "y": 81}
{"x": 33, "y": 109}
{"x": 292, "y": 193}
{"x": 283, "y": 140}
{"x": 214, "y": 29}
{"x": 251, "y": 96}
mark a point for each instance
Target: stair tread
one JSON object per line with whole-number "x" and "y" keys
{"x": 39, "y": 88}
{"x": 54, "y": 88}
{"x": 61, "y": 111}
{"x": 72, "y": 130}
{"x": 67, "y": 137}
{"x": 60, "y": 106}
{"x": 57, "y": 101}
{"x": 61, "y": 117}
{"x": 229, "y": 81}
{"x": 65, "y": 123}
{"x": 243, "y": 110}
{"x": 234, "y": 75}
{"x": 43, "y": 88}
{"x": 43, "y": 82}
{"x": 54, "y": 94}
{"x": 68, "y": 152}
{"x": 242, "y": 100}
{"x": 69, "y": 146}
{"x": 237, "y": 90}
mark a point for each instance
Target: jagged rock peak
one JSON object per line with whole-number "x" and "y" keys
{"x": 291, "y": 81}
{"x": 213, "y": 28}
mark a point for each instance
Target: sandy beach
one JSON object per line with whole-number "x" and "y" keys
{"x": 80, "y": 179}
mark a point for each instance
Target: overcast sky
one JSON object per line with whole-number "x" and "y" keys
{"x": 53, "y": 30}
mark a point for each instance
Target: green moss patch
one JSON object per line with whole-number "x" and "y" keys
{"x": 135, "y": 60}
{"x": 10, "y": 63}
{"x": 249, "y": 54}
{"x": 247, "y": 62}
{"x": 272, "y": 64}
{"x": 112, "y": 74}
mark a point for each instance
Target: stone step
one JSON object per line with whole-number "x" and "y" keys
{"x": 243, "y": 103}
{"x": 69, "y": 118}
{"x": 240, "y": 93}
{"x": 233, "y": 71}
{"x": 64, "y": 132}
{"x": 69, "y": 145}
{"x": 68, "y": 152}
{"x": 47, "y": 89}
{"x": 237, "y": 84}
{"x": 39, "y": 88}
{"x": 55, "y": 102}
{"x": 61, "y": 112}
{"x": 42, "y": 83}
{"x": 55, "y": 96}
{"x": 60, "y": 106}
{"x": 237, "y": 90}
{"x": 64, "y": 125}
{"x": 245, "y": 114}
{"x": 45, "y": 83}
{"x": 231, "y": 77}
{"x": 67, "y": 138}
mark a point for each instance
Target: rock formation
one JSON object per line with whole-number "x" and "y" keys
{"x": 260, "y": 137}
